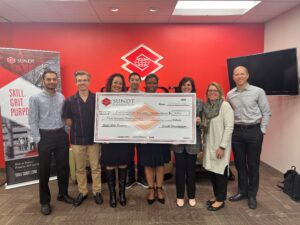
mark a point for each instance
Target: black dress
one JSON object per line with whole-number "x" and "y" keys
{"x": 116, "y": 154}
{"x": 153, "y": 155}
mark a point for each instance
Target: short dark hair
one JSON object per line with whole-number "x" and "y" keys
{"x": 151, "y": 75}
{"x": 110, "y": 80}
{"x": 241, "y": 67}
{"x": 48, "y": 71}
{"x": 134, "y": 74}
{"x": 183, "y": 81}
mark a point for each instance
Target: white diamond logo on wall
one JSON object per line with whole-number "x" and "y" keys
{"x": 11, "y": 60}
{"x": 142, "y": 60}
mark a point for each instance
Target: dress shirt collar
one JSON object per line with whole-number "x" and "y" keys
{"x": 247, "y": 88}
{"x": 48, "y": 94}
{"x": 77, "y": 96}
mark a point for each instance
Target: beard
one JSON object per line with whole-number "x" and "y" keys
{"x": 51, "y": 86}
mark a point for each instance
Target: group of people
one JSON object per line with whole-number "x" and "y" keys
{"x": 238, "y": 121}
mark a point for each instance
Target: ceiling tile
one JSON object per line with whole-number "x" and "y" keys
{"x": 203, "y": 19}
{"x": 253, "y": 19}
{"x": 272, "y": 8}
{"x": 134, "y": 7}
{"x": 131, "y": 11}
{"x": 135, "y": 19}
{"x": 11, "y": 14}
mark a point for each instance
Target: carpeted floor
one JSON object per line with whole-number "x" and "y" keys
{"x": 21, "y": 206}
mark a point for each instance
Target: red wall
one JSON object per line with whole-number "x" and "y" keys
{"x": 199, "y": 51}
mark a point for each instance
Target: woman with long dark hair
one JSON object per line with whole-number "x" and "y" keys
{"x": 186, "y": 155}
{"x": 116, "y": 155}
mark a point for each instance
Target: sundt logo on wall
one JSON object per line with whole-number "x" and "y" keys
{"x": 11, "y": 60}
{"x": 142, "y": 60}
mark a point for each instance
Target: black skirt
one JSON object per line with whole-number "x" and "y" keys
{"x": 153, "y": 155}
{"x": 116, "y": 154}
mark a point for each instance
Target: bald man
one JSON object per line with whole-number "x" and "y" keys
{"x": 251, "y": 117}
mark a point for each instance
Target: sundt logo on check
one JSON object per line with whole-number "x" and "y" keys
{"x": 106, "y": 101}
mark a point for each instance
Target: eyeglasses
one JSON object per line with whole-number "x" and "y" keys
{"x": 81, "y": 81}
{"x": 213, "y": 91}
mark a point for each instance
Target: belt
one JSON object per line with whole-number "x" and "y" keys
{"x": 51, "y": 130}
{"x": 246, "y": 126}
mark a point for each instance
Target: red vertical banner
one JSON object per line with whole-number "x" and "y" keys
{"x": 21, "y": 77}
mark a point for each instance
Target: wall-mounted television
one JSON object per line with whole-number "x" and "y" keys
{"x": 275, "y": 72}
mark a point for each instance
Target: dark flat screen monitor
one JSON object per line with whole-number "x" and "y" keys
{"x": 275, "y": 72}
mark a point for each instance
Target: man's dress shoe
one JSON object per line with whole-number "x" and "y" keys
{"x": 98, "y": 198}
{"x": 80, "y": 198}
{"x": 252, "y": 202}
{"x": 45, "y": 209}
{"x": 65, "y": 198}
{"x": 237, "y": 197}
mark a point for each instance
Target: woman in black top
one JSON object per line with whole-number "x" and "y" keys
{"x": 116, "y": 155}
{"x": 154, "y": 156}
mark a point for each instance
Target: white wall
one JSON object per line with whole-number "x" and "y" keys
{"x": 281, "y": 147}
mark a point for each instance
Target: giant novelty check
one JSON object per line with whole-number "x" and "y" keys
{"x": 145, "y": 118}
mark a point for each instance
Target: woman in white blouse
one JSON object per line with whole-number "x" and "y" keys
{"x": 217, "y": 124}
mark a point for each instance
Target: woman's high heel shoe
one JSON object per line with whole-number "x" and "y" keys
{"x": 111, "y": 181}
{"x": 122, "y": 173}
{"x": 160, "y": 192}
{"x": 151, "y": 200}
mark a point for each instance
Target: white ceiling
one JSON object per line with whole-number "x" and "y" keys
{"x": 131, "y": 11}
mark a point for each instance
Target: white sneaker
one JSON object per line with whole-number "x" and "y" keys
{"x": 192, "y": 202}
{"x": 180, "y": 202}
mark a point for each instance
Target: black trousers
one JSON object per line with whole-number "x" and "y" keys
{"x": 185, "y": 174}
{"x": 219, "y": 183}
{"x": 246, "y": 145}
{"x": 56, "y": 143}
{"x": 131, "y": 166}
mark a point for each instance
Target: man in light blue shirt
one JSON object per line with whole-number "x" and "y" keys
{"x": 47, "y": 130}
{"x": 251, "y": 117}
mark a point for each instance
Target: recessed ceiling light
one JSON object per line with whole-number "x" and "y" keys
{"x": 213, "y": 8}
{"x": 115, "y": 9}
{"x": 153, "y": 10}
